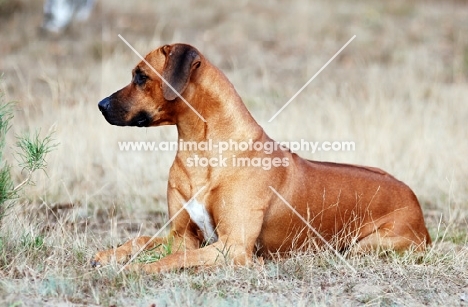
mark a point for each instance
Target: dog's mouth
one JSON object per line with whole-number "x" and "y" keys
{"x": 142, "y": 119}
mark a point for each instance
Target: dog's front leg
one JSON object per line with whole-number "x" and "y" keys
{"x": 237, "y": 237}
{"x": 129, "y": 248}
{"x": 217, "y": 253}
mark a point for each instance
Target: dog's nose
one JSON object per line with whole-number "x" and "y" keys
{"x": 104, "y": 104}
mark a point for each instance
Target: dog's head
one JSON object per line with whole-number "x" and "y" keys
{"x": 152, "y": 97}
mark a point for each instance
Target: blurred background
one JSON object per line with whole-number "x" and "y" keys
{"x": 399, "y": 91}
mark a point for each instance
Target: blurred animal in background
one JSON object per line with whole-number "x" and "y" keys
{"x": 58, "y": 14}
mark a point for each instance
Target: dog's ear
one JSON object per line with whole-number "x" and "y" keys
{"x": 181, "y": 61}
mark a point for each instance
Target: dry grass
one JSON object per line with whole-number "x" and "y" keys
{"x": 399, "y": 91}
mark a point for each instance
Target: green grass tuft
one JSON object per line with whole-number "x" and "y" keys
{"x": 31, "y": 156}
{"x": 156, "y": 254}
{"x": 33, "y": 151}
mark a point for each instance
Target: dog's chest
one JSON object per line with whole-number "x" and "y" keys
{"x": 200, "y": 216}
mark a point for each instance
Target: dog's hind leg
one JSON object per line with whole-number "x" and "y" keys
{"x": 390, "y": 237}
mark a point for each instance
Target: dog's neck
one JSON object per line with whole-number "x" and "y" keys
{"x": 226, "y": 117}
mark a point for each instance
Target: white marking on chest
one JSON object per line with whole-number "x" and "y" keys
{"x": 202, "y": 219}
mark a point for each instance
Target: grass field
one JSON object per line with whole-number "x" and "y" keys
{"x": 399, "y": 91}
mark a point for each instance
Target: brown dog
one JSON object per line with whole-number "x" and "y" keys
{"x": 228, "y": 212}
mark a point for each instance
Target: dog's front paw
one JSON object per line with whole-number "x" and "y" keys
{"x": 95, "y": 263}
{"x": 106, "y": 257}
{"x": 99, "y": 260}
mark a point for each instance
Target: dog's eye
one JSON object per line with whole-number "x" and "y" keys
{"x": 140, "y": 79}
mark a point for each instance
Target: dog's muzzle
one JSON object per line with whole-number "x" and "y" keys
{"x": 116, "y": 115}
